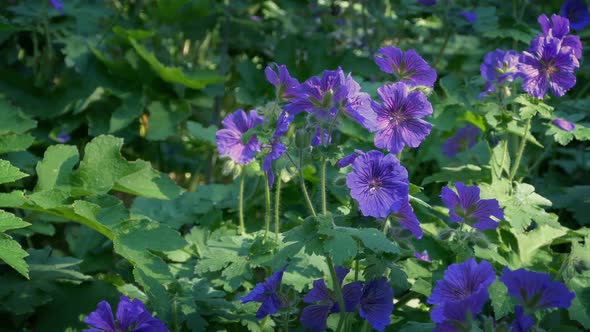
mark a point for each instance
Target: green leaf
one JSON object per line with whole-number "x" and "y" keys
{"x": 500, "y": 160}
{"x": 500, "y": 299}
{"x": 15, "y": 142}
{"x": 531, "y": 106}
{"x": 55, "y": 170}
{"x": 144, "y": 234}
{"x": 12, "y": 120}
{"x": 13, "y": 254}
{"x": 10, "y": 221}
{"x": 201, "y": 133}
{"x": 164, "y": 121}
{"x": 341, "y": 247}
{"x": 372, "y": 239}
{"x": 464, "y": 173}
{"x": 9, "y": 173}
{"x": 194, "y": 80}
{"x": 531, "y": 242}
{"x": 515, "y": 129}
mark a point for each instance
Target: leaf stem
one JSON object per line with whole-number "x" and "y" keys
{"x": 277, "y": 206}
{"x": 338, "y": 290}
{"x": 242, "y": 228}
{"x": 323, "y": 186}
{"x": 303, "y": 187}
{"x": 527, "y": 126}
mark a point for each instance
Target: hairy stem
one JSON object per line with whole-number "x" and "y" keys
{"x": 267, "y": 215}
{"x": 323, "y": 186}
{"x": 277, "y": 206}
{"x": 303, "y": 187}
{"x": 527, "y": 126}
{"x": 338, "y": 290}
{"x": 242, "y": 228}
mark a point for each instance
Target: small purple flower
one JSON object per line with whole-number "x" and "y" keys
{"x": 277, "y": 149}
{"x": 559, "y": 27}
{"x": 463, "y": 139}
{"x": 267, "y": 293}
{"x": 332, "y": 93}
{"x": 548, "y": 65}
{"x": 427, "y": 3}
{"x": 423, "y": 256}
{"x": 229, "y": 139}
{"x": 563, "y": 124}
{"x": 577, "y": 12}
{"x": 466, "y": 206}
{"x": 408, "y": 67}
{"x": 463, "y": 288}
{"x": 315, "y": 316}
{"x": 63, "y": 137}
{"x": 470, "y": 16}
{"x": 498, "y": 67}
{"x": 406, "y": 217}
{"x": 398, "y": 121}
{"x": 282, "y": 81}
{"x": 378, "y": 183}
{"x": 535, "y": 290}
{"x": 376, "y": 303}
{"x": 58, "y": 5}
{"x": 521, "y": 322}
{"x": 132, "y": 316}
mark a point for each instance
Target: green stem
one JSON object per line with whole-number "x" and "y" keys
{"x": 356, "y": 269}
{"x": 277, "y": 206}
{"x": 303, "y": 187}
{"x": 407, "y": 297}
{"x": 365, "y": 327}
{"x": 242, "y": 228}
{"x": 442, "y": 49}
{"x": 527, "y": 126}
{"x": 504, "y": 154}
{"x": 323, "y": 186}
{"x": 267, "y": 215}
{"x": 338, "y": 290}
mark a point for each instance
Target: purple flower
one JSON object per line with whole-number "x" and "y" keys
{"x": 282, "y": 81}
{"x": 423, "y": 256}
{"x": 277, "y": 149}
{"x": 376, "y": 303}
{"x": 521, "y": 322}
{"x": 463, "y": 288}
{"x": 132, "y": 316}
{"x": 469, "y": 16}
{"x": 427, "y": 2}
{"x": 58, "y": 5}
{"x": 230, "y": 139}
{"x": 406, "y": 217}
{"x": 535, "y": 290}
{"x": 408, "y": 67}
{"x": 321, "y": 137}
{"x": 333, "y": 92}
{"x": 559, "y": 27}
{"x": 466, "y": 206}
{"x": 463, "y": 139}
{"x": 548, "y": 65}
{"x": 315, "y": 316}
{"x": 399, "y": 116}
{"x": 563, "y": 124}
{"x": 267, "y": 293}
{"x": 378, "y": 183}
{"x": 63, "y": 137}
{"x": 577, "y": 12}
{"x": 499, "y": 65}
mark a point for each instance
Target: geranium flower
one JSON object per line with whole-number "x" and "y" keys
{"x": 521, "y": 322}
{"x": 58, "y": 5}
{"x": 315, "y": 316}
{"x": 230, "y": 139}
{"x": 548, "y": 66}
{"x": 282, "y": 81}
{"x": 559, "y": 27}
{"x": 376, "y": 303}
{"x": 499, "y": 67}
{"x": 470, "y": 16}
{"x": 277, "y": 149}
{"x": 408, "y": 67}
{"x": 267, "y": 293}
{"x": 463, "y": 139}
{"x": 577, "y": 12}
{"x": 535, "y": 290}
{"x": 399, "y": 114}
{"x": 423, "y": 256}
{"x": 378, "y": 183}
{"x": 406, "y": 217}
{"x": 463, "y": 289}
{"x": 466, "y": 206}
{"x": 132, "y": 316}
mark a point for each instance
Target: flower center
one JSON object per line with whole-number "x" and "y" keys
{"x": 374, "y": 184}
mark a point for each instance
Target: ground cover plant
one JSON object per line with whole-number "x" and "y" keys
{"x": 315, "y": 165}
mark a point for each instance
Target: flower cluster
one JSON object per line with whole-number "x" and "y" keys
{"x": 374, "y": 301}
{"x": 462, "y": 293}
{"x": 131, "y": 316}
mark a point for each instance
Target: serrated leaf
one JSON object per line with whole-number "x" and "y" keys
{"x": 9, "y": 173}
{"x": 144, "y": 234}
{"x": 10, "y": 221}
{"x": 164, "y": 120}
{"x": 500, "y": 299}
{"x": 15, "y": 142}
{"x": 341, "y": 247}
{"x": 372, "y": 239}
{"x": 12, "y": 120}
{"x": 531, "y": 242}
{"x": 13, "y": 254}
{"x": 201, "y": 133}
{"x": 461, "y": 173}
{"x": 55, "y": 170}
